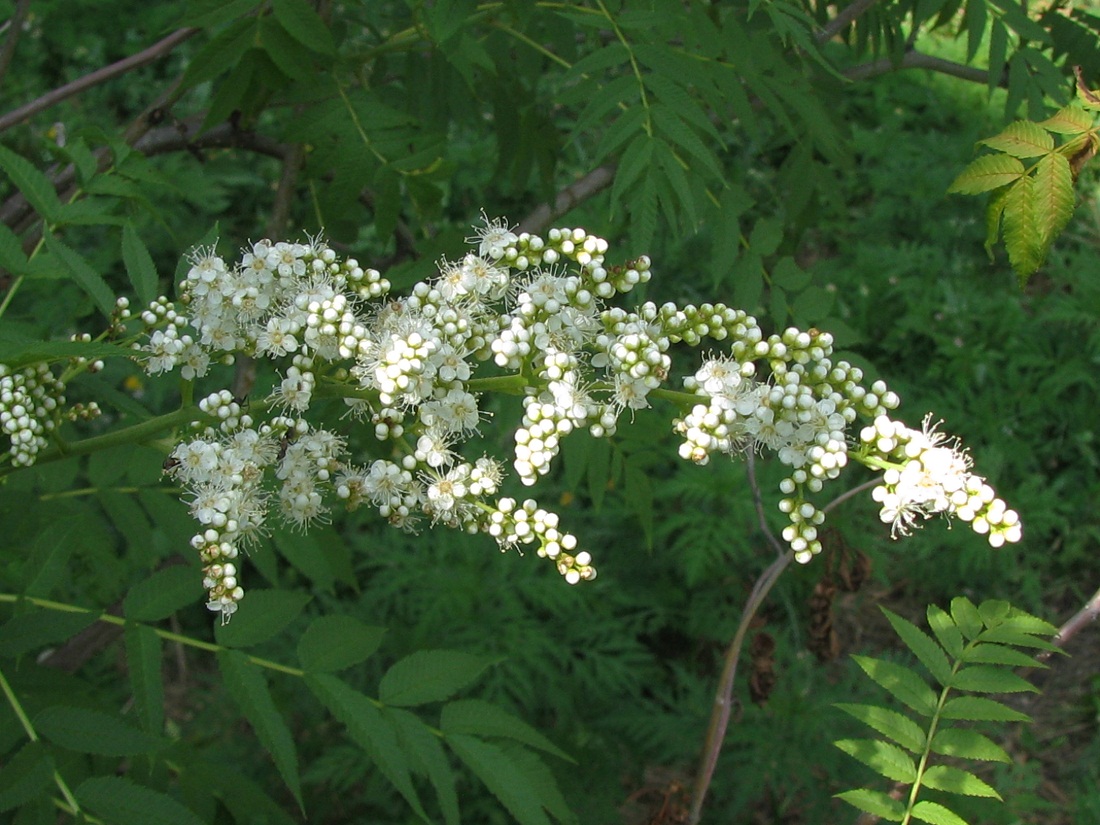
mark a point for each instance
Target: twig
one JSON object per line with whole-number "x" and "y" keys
{"x": 846, "y": 16}
{"x": 1081, "y": 619}
{"x": 91, "y": 79}
{"x": 758, "y": 503}
{"x": 15, "y": 27}
{"x": 916, "y": 60}
{"x": 720, "y": 713}
{"x": 577, "y": 192}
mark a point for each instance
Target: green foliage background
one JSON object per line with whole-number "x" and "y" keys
{"x": 800, "y": 176}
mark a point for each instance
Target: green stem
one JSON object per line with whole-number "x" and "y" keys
{"x": 922, "y": 766}
{"x": 32, "y": 734}
{"x": 167, "y": 635}
{"x": 135, "y": 434}
{"x": 508, "y": 384}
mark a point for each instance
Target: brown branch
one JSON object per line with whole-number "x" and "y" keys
{"x": 843, "y": 18}
{"x": 1080, "y": 620}
{"x": 91, "y": 79}
{"x": 577, "y": 192}
{"x": 723, "y": 699}
{"x": 15, "y": 26}
{"x": 916, "y": 60}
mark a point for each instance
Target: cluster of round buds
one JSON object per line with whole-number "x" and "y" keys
{"x": 513, "y": 523}
{"x": 925, "y": 473}
{"x": 223, "y": 593}
{"x": 30, "y": 401}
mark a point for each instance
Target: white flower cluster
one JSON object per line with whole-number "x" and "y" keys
{"x": 539, "y": 310}
{"x": 32, "y": 404}
{"x": 28, "y": 400}
{"x": 926, "y": 472}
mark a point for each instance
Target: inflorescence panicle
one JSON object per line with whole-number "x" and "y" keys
{"x": 541, "y": 310}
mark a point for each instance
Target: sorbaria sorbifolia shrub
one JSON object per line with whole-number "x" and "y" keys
{"x": 521, "y": 315}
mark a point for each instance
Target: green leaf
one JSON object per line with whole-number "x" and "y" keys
{"x": 306, "y": 552}
{"x": 82, "y": 273}
{"x": 221, "y": 53}
{"x": 502, "y": 777}
{"x": 139, "y": 265}
{"x": 968, "y": 744}
{"x": 304, "y": 25}
{"x": 943, "y": 626}
{"x": 431, "y": 676}
{"x": 889, "y": 723}
{"x": 1069, "y": 120}
{"x": 369, "y": 729}
{"x": 993, "y": 214}
{"x": 955, "y": 780}
{"x": 901, "y": 682}
{"x": 143, "y": 658}
{"x": 875, "y": 803}
{"x": 987, "y": 172}
{"x": 48, "y": 560}
{"x": 25, "y": 775}
{"x": 485, "y": 719}
{"x": 636, "y": 159}
{"x": 998, "y": 47}
{"x": 424, "y": 747}
{"x": 1011, "y": 636}
{"x": 34, "y": 185}
{"x": 966, "y": 617}
{"x": 120, "y": 801}
{"x": 163, "y": 593}
{"x": 1026, "y": 623}
{"x": 544, "y": 782}
{"x": 11, "y": 252}
{"x": 1021, "y": 229}
{"x": 888, "y": 760}
{"x": 935, "y": 814}
{"x": 206, "y": 14}
{"x": 926, "y": 650}
{"x": 293, "y": 59}
{"x": 994, "y": 654}
{"x": 986, "y": 679}
{"x": 1022, "y": 139}
{"x": 90, "y": 731}
{"x": 766, "y": 236}
{"x": 37, "y": 628}
{"x": 1053, "y": 198}
{"x": 248, "y": 687}
{"x": 333, "y": 643}
{"x": 264, "y": 614}
{"x": 980, "y": 709}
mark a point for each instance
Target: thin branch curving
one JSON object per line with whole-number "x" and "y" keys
{"x": 577, "y": 192}
{"x": 916, "y": 60}
{"x": 91, "y": 79}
